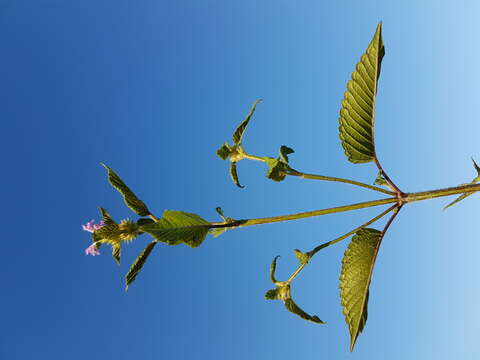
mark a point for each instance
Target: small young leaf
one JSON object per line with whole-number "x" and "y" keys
{"x": 138, "y": 264}
{"x": 295, "y": 309}
{"x": 224, "y": 151}
{"x": 220, "y": 212}
{"x": 380, "y": 180}
{"x": 302, "y": 257}
{"x": 284, "y": 152}
{"x": 273, "y": 268}
{"x": 277, "y": 169}
{"x": 358, "y": 105}
{"x": 233, "y": 174}
{"x": 106, "y": 218}
{"x": 357, "y": 269}
{"x": 177, "y": 227}
{"x": 129, "y": 197}
{"x": 116, "y": 252}
{"x": 477, "y": 168}
{"x": 272, "y": 294}
{"x": 238, "y": 134}
{"x": 463, "y": 196}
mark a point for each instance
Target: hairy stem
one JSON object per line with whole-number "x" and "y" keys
{"x": 346, "y": 181}
{"x": 308, "y": 214}
{"x": 432, "y": 194}
{"x": 293, "y": 172}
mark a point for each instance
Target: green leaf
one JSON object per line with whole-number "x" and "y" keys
{"x": 224, "y": 151}
{"x": 273, "y": 268}
{"x": 284, "y": 152}
{"x": 106, "y": 218}
{"x": 272, "y": 294}
{"x": 465, "y": 195}
{"x": 477, "y": 168}
{"x": 302, "y": 257}
{"x": 358, "y": 106}
{"x": 238, "y": 134}
{"x": 233, "y": 174}
{"x": 295, "y": 309}
{"x": 277, "y": 169}
{"x": 116, "y": 252}
{"x": 129, "y": 197}
{"x": 144, "y": 221}
{"x": 357, "y": 268}
{"x": 138, "y": 264}
{"x": 380, "y": 180}
{"x": 177, "y": 227}
{"x": 458, "y": 199}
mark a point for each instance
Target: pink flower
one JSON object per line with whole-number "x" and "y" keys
{"x": 91, "y": 226}
{"x": 92, "y": 250}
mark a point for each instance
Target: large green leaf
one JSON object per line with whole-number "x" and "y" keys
{"x": 138, "y": 264}
{"x": 357, "y": 268}
{"x": 177, "y": 227}
{"x": 132, "y": 201}
{"x": 238, "y": 134}
{"x": 358, "y": 105}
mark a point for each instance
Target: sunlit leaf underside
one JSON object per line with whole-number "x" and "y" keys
{"x": 358, "y": 105}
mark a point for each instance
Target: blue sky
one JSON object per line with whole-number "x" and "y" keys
{"x": 152, "y": 88}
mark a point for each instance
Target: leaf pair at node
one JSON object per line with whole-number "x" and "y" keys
{"x": 278, "y": 168}
{"x": 236, "y": 153}
{"x": 175, "y": 227}
{"x": 114, "y": 234}
{"x": 282, "y": 292}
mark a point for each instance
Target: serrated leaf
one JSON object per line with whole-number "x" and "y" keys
{"x": 238, "y": 134}
{"x": 358, "y": 106}
{"x": 177, "y": 227}
{"x": 355, "y": 278}
{"x": 116, "y": 252}
{"x": 224, "y": 151}
{"x": 233, "y": 174}
{"x": 138, "y": 264}
{"x": 131, "y": 200}
{"x": 295, "y": 309}
{"x": 302, "y": 257}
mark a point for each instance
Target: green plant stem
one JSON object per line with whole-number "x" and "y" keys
{"x": 293, "y": 172}
{"x": 346, "y": 181}
{"x": 432, "y": 194}
{"x": 331, "y": 242}
{"x": 308, "y": 214}
{"x": 312, "y": 252}
{"x": 405, "y": 198}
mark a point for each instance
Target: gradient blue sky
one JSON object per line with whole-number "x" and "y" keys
{"x": 152, "y": 88}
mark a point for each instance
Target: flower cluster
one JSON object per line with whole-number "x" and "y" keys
{"x": 91, "y": 227}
